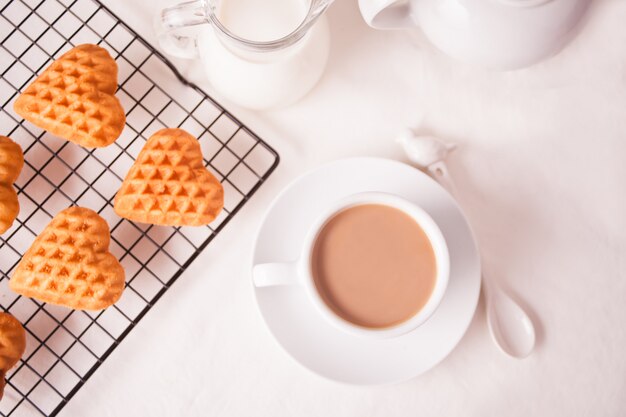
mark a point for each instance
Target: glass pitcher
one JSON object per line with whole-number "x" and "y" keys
{"x": 257, "y": 53}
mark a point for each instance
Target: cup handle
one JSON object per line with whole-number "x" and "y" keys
{"x": 266, "y": 275}
{"x": 174, "y": 28}
{"x": 387, "y": 14}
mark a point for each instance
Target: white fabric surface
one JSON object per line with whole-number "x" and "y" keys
{"x": 542, "y": 176}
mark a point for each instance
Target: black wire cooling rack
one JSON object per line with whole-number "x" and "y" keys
{"x": 65, "y": 347}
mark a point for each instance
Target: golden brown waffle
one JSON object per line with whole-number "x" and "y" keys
{"x": 69, "y": 263}
{"x": 74, "y": 98}
{"x": 11, "y": 163}
{"x": 169, "y": 184}
{"x": 12, "y": 344}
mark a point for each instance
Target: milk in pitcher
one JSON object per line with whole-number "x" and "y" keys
{"x": 262, "y": 20}
{"x": 260, "y": 79}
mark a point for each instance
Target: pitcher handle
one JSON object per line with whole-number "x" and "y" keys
{"x": 387, "y": 14}
{"x": 175, "y": 28}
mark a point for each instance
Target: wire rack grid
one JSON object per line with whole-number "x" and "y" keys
{"x": 65, "y": 347}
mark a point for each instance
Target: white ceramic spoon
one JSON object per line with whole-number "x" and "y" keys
{"x": 511, "y": 328}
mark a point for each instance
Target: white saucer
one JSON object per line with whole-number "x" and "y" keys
{"x": 308, "y": 337}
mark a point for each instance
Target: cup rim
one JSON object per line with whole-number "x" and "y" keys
{"x": 423, "y": 219}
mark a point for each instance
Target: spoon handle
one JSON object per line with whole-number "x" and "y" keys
{"x": 439, "y": 171}
{"x": 521, "y": 323}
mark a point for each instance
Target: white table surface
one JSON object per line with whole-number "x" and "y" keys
{"x": 542, "y": 176}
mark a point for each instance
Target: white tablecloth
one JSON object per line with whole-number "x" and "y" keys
{"x": 541, "y": 174}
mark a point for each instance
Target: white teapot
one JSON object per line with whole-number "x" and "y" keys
{"x": 501, "y": 34}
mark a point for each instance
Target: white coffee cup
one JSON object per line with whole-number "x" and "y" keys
{"x": 299, "y": 272}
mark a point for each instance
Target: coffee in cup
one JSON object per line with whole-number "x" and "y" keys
{"x": 373, "y": 265}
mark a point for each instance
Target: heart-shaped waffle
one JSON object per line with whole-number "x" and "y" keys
{"x": 74, "y": 98}
{"x": 69, "y": 263}
{"x": 11, "y": 163}
{"x": 12, "y": 345}
{"x": 169, "y": 184}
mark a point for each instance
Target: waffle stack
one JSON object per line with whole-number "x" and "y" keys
{"x": 11, "y": 163}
